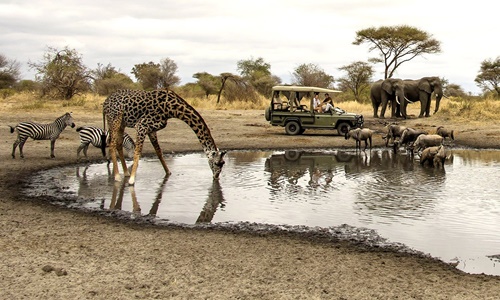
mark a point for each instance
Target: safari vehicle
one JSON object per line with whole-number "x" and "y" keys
{"x": 286, "y": 110}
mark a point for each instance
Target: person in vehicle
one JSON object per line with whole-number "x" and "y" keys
{"x": 327, "y": 105}
{"x": 317, "y": 103}
{"x": 328, "y": 98}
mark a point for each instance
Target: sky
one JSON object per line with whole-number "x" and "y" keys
{"x": 212, "y": 36}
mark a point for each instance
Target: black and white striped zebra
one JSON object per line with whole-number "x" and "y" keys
{"x": 92, "y": 135}
{"x": 38, "y": 131}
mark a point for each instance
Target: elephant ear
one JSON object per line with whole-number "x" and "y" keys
{"x": 387, "y": 86}
{"x": 424, "y": 85}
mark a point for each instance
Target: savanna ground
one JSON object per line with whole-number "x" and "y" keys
{"x": 48, "y": 252}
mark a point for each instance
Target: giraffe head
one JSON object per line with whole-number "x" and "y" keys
{"x": 216, "y": 162}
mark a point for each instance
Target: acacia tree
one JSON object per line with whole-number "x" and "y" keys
{"x": 224, "y": 77}
{"x": 488, "y": 78}
{"x": 209, "y": 83}
{"x": 312, "y": 75}
{"x": 397, "y": 45}
{"x": 9, "y": 72}
{"x": 62, "y": 72}
{"x": 258, "y": 73}
{"x": 357, "y": 79}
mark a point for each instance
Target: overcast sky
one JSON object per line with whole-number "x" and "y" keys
{"x": 212, "y": 36}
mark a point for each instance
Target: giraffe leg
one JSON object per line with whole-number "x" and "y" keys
{"x": 119, "y": 148}
{"x": 114, "y": 126}
{"x": 154, "y": 141}
{"x": 137, "y": 155}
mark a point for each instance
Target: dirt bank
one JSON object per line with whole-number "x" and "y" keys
{"x": 53, "y": 253}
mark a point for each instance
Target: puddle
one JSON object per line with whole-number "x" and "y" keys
{"x": 452, "y": 214}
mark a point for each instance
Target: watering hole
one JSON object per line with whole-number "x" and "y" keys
{"x": 452, "y": 214}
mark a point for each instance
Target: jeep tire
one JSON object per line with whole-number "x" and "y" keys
{"x": 343, "y": 128}
{"x": 293, "y": 128}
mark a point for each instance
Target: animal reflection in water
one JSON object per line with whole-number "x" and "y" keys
{"x": 320, "y": 168}
{"x": 87, "y": 189}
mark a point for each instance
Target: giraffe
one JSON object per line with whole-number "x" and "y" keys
{"x": 148, "y": 112}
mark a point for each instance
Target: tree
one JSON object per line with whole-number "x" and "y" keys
{"x": 108, "y": 80}
{"x": 397, "y": 45}
{"x": 148, "y": 75}
{"x": 250, "y": 67}
{"x": 224, "y": 77}
{"x": 156, "y": 76}
{"x": 488, "y": 78}
{"x": 209, "y": 83}
{"x": 357, "y": 79}
{"x": 62, "y": 73}
{"x": 168, "y": 68}
{"x": 9, "y": 72}
{"x": 454, "y": 90}
{"x": 312, "y": 75}
{"x": 258, "y": 73}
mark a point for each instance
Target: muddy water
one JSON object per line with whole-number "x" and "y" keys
{"x": 452, "y": 213}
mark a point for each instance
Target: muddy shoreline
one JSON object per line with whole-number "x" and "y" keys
{"x": 109, "y": 258}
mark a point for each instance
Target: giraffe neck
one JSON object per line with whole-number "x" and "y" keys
{"x": 185, "y": 112}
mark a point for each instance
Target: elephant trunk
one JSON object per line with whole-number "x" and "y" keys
{"x": 400, "y": 99}
{"x": 439, "y": 95}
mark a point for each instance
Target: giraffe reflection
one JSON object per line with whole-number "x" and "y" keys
{"x": 119, "y": 190}
{"x": 214, "y": 200}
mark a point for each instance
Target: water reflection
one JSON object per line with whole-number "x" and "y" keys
{"x": 215, "y": 200}
{"x": 452, "y": 213}
{"x": 122, "y": 193}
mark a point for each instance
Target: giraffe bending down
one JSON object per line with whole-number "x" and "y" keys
{"x": 148, "y": 112}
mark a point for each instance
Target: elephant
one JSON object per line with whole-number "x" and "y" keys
{"x": 422, "y": 90}
{"x": 382, "y": 91}
{"x": 359, "y": 135}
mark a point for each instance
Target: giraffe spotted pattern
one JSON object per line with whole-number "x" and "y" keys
{"x": 148, "y": 112}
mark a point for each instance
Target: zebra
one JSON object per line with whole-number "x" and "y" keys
{"x": 93, "y": 135}
{"x": 38, "y": 131}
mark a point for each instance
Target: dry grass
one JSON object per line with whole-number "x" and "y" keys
{"x": 455, "y": 109}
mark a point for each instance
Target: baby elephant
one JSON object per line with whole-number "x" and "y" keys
{"x": 435, "y": 154}
{"x": 359, "y": 135}
{"x": 445, "y": 133}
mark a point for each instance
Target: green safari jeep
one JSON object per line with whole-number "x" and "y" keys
{"x": 286, "y": 110}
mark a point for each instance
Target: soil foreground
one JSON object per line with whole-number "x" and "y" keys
{"x": 49, "y": 252}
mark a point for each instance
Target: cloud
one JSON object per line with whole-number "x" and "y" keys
{"x": 213, "y": 36}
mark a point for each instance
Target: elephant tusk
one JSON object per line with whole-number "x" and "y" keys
{"x": 409, "y": 100}
{"x": 397, "y": 100}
